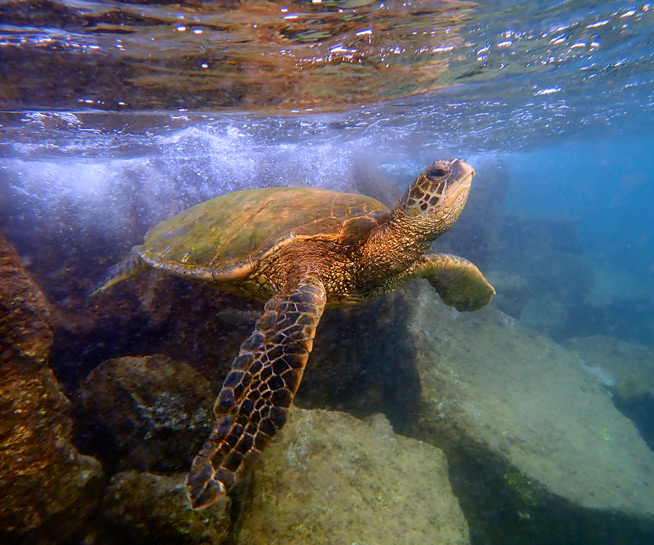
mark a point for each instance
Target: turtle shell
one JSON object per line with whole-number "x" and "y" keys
{"x": 227, "y": 236}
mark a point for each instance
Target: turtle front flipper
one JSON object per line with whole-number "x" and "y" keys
{"x": 258, "y": 391}
{"x": 459, "y": 283}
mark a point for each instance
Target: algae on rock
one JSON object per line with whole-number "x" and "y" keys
{"x": 527, "y": 432}
{"x": 331, "y": 478}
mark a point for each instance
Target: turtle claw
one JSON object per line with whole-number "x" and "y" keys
{"x": 203, "y": 489}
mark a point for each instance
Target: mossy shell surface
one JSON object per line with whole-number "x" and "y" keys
{"x": 228, "y": 235}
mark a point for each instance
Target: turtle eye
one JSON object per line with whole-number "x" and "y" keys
{"x": 436, "y": 172}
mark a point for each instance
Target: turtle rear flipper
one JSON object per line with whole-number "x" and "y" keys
{"x": 258, "y": 391}
{"x": 459, "y": 282}
{"x": 132, "y": 265}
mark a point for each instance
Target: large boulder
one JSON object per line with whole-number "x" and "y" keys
{"x": 331, "y": 478}
{"x": 147, "y": 413}
{"x": 326, "y": 478}
{"x": 538, "y": 452}
{"x": 25, "y": 332}
{"x": 48, "y": 489}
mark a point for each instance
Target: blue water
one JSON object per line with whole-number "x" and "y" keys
{"x": 604, "y": 185}
{"x": 116, "y": 115}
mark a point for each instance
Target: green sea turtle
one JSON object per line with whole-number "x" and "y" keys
{"x": 300, "y": 249}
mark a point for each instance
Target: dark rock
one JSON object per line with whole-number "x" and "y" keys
{"x": 625, "y": 317}
{"x": 48, "y": 488}
{"x": 147, "y": 413}
{"x": 361, "y": 362}
{"x": 142, "y": 508}
{"x": 155, "y": 313}
{"x": 357, "y": 363}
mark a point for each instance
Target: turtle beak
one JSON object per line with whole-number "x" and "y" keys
{"x": 461, "y": 177}
{"x": 462, "y": 170}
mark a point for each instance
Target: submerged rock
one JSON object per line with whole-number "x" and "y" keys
{"x": 146, "y": 508}
{"x": 48, "y": 489}
{"x": 538, "y": 452}
{"x": 331, "y": 478}
{"x": 360, "y": 356}
{"x": 625, "y": 369}
{"x": 25, "y": 332}
{"x": 147, "y": 413}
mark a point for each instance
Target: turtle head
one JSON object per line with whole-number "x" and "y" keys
{"x": 435, "y": 199}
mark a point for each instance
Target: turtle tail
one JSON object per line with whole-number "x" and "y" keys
{"x": 132, "y": 265}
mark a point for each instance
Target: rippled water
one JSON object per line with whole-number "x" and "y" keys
{"x": 484, "y": 75}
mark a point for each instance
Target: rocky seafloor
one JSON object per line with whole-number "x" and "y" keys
{"x": 414, "y": 423}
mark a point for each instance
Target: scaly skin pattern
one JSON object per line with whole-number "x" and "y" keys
{"x": 258, "y": 391}
{"x": 458, "y": 281}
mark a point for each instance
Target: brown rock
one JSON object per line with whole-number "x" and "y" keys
{"x": 48, "y": 489}
{"x": 24, "y": 329}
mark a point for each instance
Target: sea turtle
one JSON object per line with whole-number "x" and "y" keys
{"x": 300, "y": 249}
